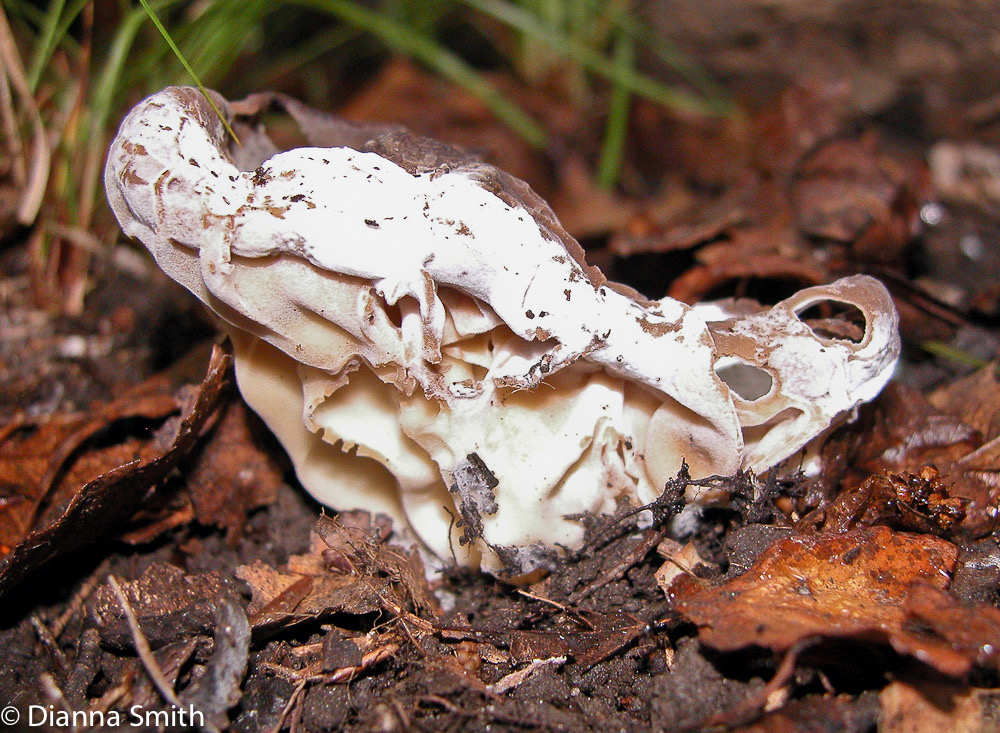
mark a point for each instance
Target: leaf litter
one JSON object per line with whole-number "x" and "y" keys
{"x": 863, "y": 595}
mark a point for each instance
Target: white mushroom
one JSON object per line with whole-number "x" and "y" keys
{"x": 426, "y": 340}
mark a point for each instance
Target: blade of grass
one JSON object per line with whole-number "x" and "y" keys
{"x": 40, "y": 160}
{"x": 715, "y": 94}
{"x": 424, "y": 49}
{"x": 616, "y": 129}
{"x": 45, "y": 42}
{"x": 106, "y": 92}
{"x": 952, "y": 354}
{"x": 522, "y": 21}
{"x": 54, "y": 31}
{"x": 214, "y": 40}
{"x": 306, "y": 52}
{"x": 187, "y": 67}
{"x": 107, "y": 85}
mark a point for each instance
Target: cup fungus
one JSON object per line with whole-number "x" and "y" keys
{"x": 426, "y": 340}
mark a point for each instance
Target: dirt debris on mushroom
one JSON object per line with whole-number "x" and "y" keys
{"x": 426, "y": 340}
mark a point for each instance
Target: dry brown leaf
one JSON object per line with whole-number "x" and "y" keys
{"x": 818, "y": 713}
{"x": 908, "y": 432}
{"x": 935, "y": 705}
{"x": 848, "y": 190}
{"x": 865, "y": 584}
{"x": 918, "y": 502}
{"x": 819, "y": 200}
{"x": 971, "y": 631}
{"x": 25, "y": 454}
{"x": 974, "y": 399}
{"x": 361, "y": 539}
{"x": 680, "y": 559}
{"x": 606, "y": 635}
{"x": 349, "y": 568}
{"x": 104, "y": 504}
{"x": 169, "y": 604}
{"x": 283, "y": 599}
{"x": 233, "y": 475}
{"x": 44, "y": 465}
{"x": 739, "y": 262}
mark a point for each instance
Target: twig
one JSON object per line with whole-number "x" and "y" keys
{"x": 512, "y": 680}
{"x": 756, "y": 704}
{"x": 542, "y": 599}
{"x": 48, "y": 640}
{"x": 143, "y": 649}
{"x": 55, "y": 693}
{"x": 300, "y": 686}
{"x": 310, "y": 674}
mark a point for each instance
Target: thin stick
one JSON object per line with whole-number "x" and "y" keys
{"x": 142, "y": 647}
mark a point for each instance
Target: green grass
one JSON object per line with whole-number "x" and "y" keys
{"x": 85, "y": 71}
{"x": 595, "y": 42}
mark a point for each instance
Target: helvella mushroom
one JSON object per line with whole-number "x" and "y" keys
{"x": 426, "y": 340}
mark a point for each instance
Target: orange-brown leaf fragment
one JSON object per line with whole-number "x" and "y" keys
{"x": 857, "y": 584}
{"x": 233, "y": 475}
{"x": 102, "y": 505}
{"x": 44, "y": 463}
{"x": 917, "y": 502}
{"x": 932, "y": 705}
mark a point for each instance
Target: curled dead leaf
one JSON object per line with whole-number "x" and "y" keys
{"x": 102, "y": 504}
{"x": 918, "y": 502}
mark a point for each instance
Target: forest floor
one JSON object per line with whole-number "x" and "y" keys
{"x": 158, "y": 556}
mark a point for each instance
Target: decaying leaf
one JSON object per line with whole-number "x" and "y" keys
{"x": 969, "y": 632}
{"x": 868, "y": 585}
{"x": 350, "y": 568}
{"x": 588, "y": 637}
{"x": 975, "y": 399}
{"x": 850, "y": 191}
{"x": 105, "y": 503}
{"x": 919, "y": 502}
{"x": 283, "y": 599}
{"x": 233, "y": 474}
{"x": 43, "y": 464}
{"x": 169, "y": 604}
{"x": 935, "y": 705}
{"x": 840, "y": 713}
{"x": 905, "y": 432}
{"x": 820, "y": 200}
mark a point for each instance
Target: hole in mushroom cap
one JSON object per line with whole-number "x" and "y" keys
{"x": 748, "y": 381}
{"x": 835, "y": 319}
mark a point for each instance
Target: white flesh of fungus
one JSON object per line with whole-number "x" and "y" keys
{"x": 425, "y": 347}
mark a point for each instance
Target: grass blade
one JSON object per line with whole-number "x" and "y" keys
{"x": 616, "y": 129}
{"x": 522, "y": 21}
{"x": 424, "y": 49}
{"x": 187, "y": 67}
